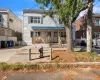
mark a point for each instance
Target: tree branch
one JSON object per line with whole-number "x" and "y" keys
{"x": 84, "y": 8}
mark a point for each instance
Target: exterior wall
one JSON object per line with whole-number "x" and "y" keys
{"x": 47, "y": 21}
{"x": 2, "y": 31}
{"x": 10, "y": 26}
{"x": 15, "y": 25}
{"x": 81, "y": 27}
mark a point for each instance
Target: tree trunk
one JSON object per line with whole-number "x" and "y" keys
{"x": 89, "y": 38}
{"x": 89, "y": 26}
{"x": 69, "y": 39}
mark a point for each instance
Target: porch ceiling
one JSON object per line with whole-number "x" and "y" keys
{"x": 47, "y": 27}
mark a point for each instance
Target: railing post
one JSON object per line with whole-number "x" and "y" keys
{"x": 51, "y": 54}
{"x": 29, "y": 55}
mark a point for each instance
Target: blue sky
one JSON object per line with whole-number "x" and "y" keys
{"x": 17, "y": 6}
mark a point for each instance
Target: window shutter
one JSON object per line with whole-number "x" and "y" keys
{"x": 29, "y": 20}
{"x": 41, "y": 20}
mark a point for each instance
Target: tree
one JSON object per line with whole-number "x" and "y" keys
{"x": 68, "y": 11}
{"x": 89, "y": 25}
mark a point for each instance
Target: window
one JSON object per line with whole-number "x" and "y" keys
{"x": 35, "y": 34}
{"x": 60, "y": 22}
{"x": 32, "y": 34}
{"x": 97, "y": 22}
{"x": 39, "y": 34}
{"x": 0, "y": 18}
{"x": 96, "y": 34}
{"x": 63, "y": 34}
{"x": 55, "y": 34}
{"x": 35, "y": 20}
{"x": 49, "y": 34}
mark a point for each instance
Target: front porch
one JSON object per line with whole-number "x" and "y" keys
{"x": 48, "y": 36}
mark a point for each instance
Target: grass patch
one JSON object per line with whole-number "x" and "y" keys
{"x": 19, "y": 66}
{"x": 5, "y": 66}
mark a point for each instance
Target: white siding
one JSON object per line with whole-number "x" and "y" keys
{"x": 47, "y": 21}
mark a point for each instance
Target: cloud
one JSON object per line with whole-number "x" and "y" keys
{"x": 96, "y": 10}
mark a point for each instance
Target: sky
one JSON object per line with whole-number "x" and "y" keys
{"x": 17, "y": 6}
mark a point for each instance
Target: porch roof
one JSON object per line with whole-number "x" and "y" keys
{"x": 47, "y": 27}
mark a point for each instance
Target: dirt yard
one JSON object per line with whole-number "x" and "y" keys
{"x": 63, "y": 56}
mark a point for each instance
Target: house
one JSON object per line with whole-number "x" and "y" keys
{"x": 81, "y": 27}
{"x": 10, "y": 28}
{"x": 40, "y": 29}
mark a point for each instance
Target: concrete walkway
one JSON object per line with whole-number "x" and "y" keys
{"x": 15, "y": 55}
{"x": 6, "y": 54}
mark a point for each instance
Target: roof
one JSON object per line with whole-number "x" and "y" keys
{"x": 3, "y": 9}
{"x": 34, "y": 11}
{"x": 96, "y": 15}
{"x": 47, "y": 27}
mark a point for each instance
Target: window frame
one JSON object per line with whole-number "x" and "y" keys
{"x": 96, "y": 34}
{"x": 35, "y": 19}
{"x": 97, "y": 23}
{"x": 0, "y": 18}
{"x": 35, "y": 34}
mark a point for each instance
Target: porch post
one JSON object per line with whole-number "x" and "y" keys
{"x": 52, "y": 36}
{"x": 59, "y": 39}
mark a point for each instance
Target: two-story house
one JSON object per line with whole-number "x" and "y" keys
{"x": 81, "y": 27}
{"x": 10, "y": 27}
{"x": 38, "y": 28}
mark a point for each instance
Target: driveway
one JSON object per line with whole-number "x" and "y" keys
{"x": 6, "y": 54}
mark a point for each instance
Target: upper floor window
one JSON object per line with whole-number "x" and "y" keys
{"x": 35, "y": 20}
{"x": 0, "y": 18}
{"x": 97, "y": 22}
{"x": 60, "y": 22}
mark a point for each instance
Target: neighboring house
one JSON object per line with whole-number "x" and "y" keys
{"x": 81, "y": 27}
{"x": 10, "y": 27}
{"x": 40, "y": 29}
